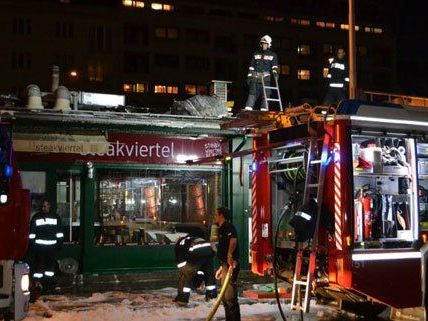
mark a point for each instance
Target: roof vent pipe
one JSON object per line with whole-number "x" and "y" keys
{"x": 62, "y": 99}
{"x": 34, "y": 97}
{"x": 55, "y": 78}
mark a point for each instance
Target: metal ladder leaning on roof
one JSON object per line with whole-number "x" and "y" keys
{"x": 317, "y": 157}
{"x": 274, "y": 88}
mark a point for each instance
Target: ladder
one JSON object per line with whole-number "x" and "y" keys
{"x": 314, "y": 185}
{"x": 267, "y": 98}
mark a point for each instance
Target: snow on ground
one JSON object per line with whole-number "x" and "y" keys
{"x": 154, "y": 306}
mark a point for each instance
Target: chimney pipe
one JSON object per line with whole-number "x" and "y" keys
{"x": 55, "y": 78}
{"x": 62, "y": 99}
{"x": 34, "y": 97}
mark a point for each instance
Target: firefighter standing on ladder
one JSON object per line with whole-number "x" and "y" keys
{"x": 46, "y": 237}
{"x": 264, "y": 64}
{"x": 338, "y": 79}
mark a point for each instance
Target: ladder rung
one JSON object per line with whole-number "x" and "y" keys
{"x": 273, "y": 99}
{"x": 270, "y": 87}
{"x": 300, "y": 282}
{"x": 317, "y": 161}
{"x": 312, "y": 185}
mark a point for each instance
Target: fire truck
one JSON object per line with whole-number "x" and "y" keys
{"x": 14, "y": 231}
{"x": 340, "y": 202}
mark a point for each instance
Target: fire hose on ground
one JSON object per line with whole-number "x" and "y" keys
{"x": 221, "y": 295}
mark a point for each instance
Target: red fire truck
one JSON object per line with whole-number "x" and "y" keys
{"x": 14, "y": 231}
{"x": 340, "y": 201}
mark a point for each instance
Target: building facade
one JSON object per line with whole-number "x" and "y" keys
{"x": 155, "y": 52}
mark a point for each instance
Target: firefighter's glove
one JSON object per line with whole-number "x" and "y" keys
{"x": 250, "y": 78}
{"x": 275, "y": 75}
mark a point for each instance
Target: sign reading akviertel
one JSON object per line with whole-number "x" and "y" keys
{"x": 137, "y": 149}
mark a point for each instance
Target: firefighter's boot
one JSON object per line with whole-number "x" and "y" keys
{"x": 182, "y": 298}
{"x": 251, "y": 100}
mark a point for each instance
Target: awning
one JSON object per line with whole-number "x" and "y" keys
{"x": 60, "y": 143}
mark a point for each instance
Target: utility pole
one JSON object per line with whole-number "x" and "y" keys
{"x": 352, "y": 52}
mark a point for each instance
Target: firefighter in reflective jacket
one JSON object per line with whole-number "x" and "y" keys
{"x": 264, "y": 65}
{"x": 194, "y": 258}
{"x": 337, "y": 79}
{"x": 46, "y": 237}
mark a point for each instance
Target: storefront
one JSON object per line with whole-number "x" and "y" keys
{"x": 123, "y": 189}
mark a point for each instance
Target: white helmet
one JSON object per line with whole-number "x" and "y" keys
{"x": 266, "y": 39}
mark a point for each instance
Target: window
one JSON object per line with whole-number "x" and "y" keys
{"x": 21, "y": 26}
{"x": 96, "y": 71}
{"x": 35, "y": 181}
{"x": 377, "y": 30}
{"x": 373, "y": 30}
{"x": 225, "y": 43}
{"x": 65, "y": 62}
{"x": 21, "y": 60}
{"x": 148, "y": 208}
{"x": 167, "y": 61}
{"x": 162, "y": 7}
{"x": 166, "y": 32}
{"x": 68, "y": 191}
{"x": 300, "y": 22}
{"x": 164, "y": 89}
{"x": 133, "y": 3}
{"x": 100, "y": 38}
{"x": 323, "y": 24}
{"x": 197, "y": 63}
{"x": 135, "y": 34}
{"x": 196, "y": 89}
{"x": 328, "y": 48}
{"x": 362, "y": 51}
{"x": 64, "y": 30}
{"x": 284, "y": 69}
{"x": 325, "y": 72}
{"x": 273, "y": 18}
{"x": 304, "y": 49}
{"x": 197, "y": 35}
{"x": 136, "y": 87}
{"x": 134, "y": 62}
{"x": 346, "y": 27}
{"x": 303, "y": 74}
{"x": 225, "y": 69}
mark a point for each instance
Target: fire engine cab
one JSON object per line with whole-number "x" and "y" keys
{"x": 340, "y": 201}
{"x": 14, "y": 231}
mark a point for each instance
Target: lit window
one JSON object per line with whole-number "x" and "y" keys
{"x": 303, "y": 49}
{"x": 330, "y": 25}
{"x": 162, "y": 6}
{"x": 301, "y": 22}
{"x": 346, "y": 27}
{"x": 133, "y": 3}
{"x": 303, "y": 74}
{"x": 162, "y": 89}
{"x": 320, "y": 24}
{"x": 196, "y": 89}
{"x": 377, "y": 30}
{"x": 327, "y": 48}
{"x": 273, "y": 18}
{"x": 136, "y": 88}
{"x": 127, "y": 88}
{"x": 362, "y": 51}
{"x": 190, "y": 89}
{"x": 284, "y": 69}
{"x": 325, "y": 72}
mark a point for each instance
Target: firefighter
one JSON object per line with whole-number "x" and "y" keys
{"x": 194, "y": 258}
{"x": 338, "y": 79}
{"x": 228, "y": 255}
{"x": 264, "y": 65}
{"x": 46, "y": 238}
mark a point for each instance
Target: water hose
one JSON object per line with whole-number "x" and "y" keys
{"x": 221, "y": 295}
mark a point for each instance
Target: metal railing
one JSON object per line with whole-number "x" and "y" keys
{"x": 397, "y": 98}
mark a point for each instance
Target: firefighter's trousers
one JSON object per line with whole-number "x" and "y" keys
{"x": 255, "y": 93}
{"x": 230, "y": 299}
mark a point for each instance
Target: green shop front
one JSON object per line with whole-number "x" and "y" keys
{"x": 123, "y": 188}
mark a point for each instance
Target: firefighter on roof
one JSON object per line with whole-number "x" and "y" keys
{"x": 194, "y": 258}
{"x": 46, "y": 238}
{"x": 338, "y": 79}
{"x": 264, "y": 65}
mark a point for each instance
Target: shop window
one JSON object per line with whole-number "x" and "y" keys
{"x": 284, "y": 69}
{"x": 166, "y": 32}
{"x": 34, "y": 181}
{"x": 153, "y": 207}
{"x": 68, "y": 202}
{"x": 164, "y": 89}
{"x": 133, "y": 3}
{"x": 385, "y": 204}
{"x": 304, "y": 49}
{"x": 162, "y": 7}
{"x": 303, "y": 74}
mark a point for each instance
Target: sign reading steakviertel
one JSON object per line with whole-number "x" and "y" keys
{"x": 141, "y": 149}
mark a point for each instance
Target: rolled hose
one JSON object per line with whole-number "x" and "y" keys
{"x": 221, "y": 295}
